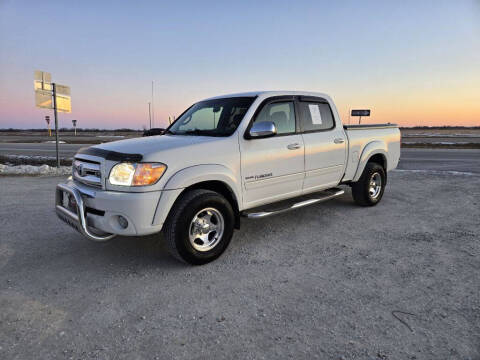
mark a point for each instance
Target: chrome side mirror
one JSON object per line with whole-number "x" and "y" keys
{"x": 262, "y": 129}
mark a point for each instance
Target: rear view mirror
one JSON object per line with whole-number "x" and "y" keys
{"x": 262, "y": 129}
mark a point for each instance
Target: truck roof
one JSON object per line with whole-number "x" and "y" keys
{"x": 266, "y": 93}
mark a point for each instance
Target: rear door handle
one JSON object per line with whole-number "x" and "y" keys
{"x": 294, "y": 146}
{"x": 339, "y": 141}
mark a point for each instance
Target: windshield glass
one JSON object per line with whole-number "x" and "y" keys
{"x": 217, "y": 117}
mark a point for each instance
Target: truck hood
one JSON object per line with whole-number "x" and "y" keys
{"x": 154, "y": 144}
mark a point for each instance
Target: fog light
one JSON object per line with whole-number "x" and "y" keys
{"x": 122, "y": 222}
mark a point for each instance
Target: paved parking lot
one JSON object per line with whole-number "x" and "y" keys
{"x": 330, "y": 281}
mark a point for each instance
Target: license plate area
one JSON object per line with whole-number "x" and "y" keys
{"x": 68, "y": 202}
{"x": 71, "y": 209}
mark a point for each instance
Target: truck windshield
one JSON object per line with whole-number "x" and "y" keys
{"x": 216, "y": 117}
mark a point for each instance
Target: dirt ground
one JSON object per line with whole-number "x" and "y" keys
{"x": 330, "y": 281}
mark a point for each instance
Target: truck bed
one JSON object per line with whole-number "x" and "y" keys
{"x": 387, "y": 136}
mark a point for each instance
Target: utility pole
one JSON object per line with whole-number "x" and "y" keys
{"x": 153, "y": 109}
{"x": 150, "y": 114}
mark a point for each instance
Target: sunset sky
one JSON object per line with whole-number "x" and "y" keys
{"x": 410, "y": 62}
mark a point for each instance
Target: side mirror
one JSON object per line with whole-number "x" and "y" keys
{"x": 262, "y": 129}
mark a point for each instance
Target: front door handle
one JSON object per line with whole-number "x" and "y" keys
{"x": 294, "y": 146}
{"x": 339, "y": 141}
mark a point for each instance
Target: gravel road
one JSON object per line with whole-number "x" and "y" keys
{"x": 330, "y": 281}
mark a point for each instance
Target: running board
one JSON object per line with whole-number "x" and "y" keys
{"x": 290, "y": 204}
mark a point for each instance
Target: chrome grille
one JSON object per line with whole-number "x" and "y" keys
{"x": 87, "y": 172}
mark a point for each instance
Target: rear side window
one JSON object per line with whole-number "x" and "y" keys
{"x": 282, "y": 114}
{"x": 316, "y": 116}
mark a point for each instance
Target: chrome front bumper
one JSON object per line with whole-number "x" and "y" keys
{"x": 72, "y": 211}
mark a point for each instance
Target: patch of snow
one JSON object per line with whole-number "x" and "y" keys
{"x": 438, "y": 172}
{"x": 33, "y": 160}
{"x": 110, "y": 136}
{"x": 53, "y": 142}
{"x": 441, "y": 135}
{"x": 34, "y": 170}
{"x": 435, "y": 142}
{"x": 30, "y": 157}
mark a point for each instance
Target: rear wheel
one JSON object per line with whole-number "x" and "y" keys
{"x": 199, "y": 226}
{"x": 368, "y": 190}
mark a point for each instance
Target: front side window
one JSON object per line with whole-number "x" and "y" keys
{"x": 282, "y": 114}
{"x": 316, "y": 116}
{"x": 217, "y": 117}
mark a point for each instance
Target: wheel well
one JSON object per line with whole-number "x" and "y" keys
{"x": 223, "y": 189}
{"x": 380, "y": 160}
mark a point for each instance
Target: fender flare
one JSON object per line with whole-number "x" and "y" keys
{"x": 190, "y": 176}
{"x": 371, "y": 149}
{"x": 208, "y": 172}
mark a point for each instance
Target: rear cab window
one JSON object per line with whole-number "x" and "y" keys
{"x": 316, "y": 116}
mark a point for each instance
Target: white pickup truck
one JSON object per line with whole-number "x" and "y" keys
{"x": 251, "y": 154}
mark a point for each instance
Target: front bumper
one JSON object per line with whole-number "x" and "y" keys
{"x": 100, "y": 215}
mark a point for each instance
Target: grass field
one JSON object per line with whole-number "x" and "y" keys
{"x": 68, "y": 136}
{"x": 467, "y": 138}
{"x": 411, "y": 137}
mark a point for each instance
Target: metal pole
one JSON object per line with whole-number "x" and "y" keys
{"x": 153, "y": 111}
{"x": 150, "y": 114}
{"x": 360, "y": 120}
{"x": 56, "y": 122}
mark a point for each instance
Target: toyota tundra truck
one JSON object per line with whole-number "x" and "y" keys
{"x": 246, "y": 155}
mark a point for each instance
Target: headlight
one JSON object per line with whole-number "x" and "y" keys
{"x": 141, "y": 174}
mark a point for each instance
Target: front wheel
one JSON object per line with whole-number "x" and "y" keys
{"x": 199, "y": 226}
{"x": 368, "y": 190}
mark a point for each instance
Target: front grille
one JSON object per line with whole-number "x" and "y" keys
{"x": 87, "y": 172}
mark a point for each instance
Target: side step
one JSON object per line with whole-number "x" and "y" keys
{"x": 290, "y": 204}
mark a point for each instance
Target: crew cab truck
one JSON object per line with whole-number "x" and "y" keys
{"x": 250, "y": 154}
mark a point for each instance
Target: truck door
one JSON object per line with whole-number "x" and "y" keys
{"x": 325, "y": 144}
{"x": 273, "y": 167}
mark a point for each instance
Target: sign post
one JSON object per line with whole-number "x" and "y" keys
{"x": 74, "y": 122}
{"x": 49, "y": 95}
{"x": 47, "y": 119}
{"x": 361, "y": 113}
{"x": 56, "y": 122}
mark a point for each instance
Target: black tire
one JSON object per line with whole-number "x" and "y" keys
{"x": 361, "y": 189}
{"x": 177, "y": 226}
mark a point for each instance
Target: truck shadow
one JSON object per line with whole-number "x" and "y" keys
{"x": 151, "y": 251}
{"x": 142, "y": 251}
{"x": 70, "y": 251}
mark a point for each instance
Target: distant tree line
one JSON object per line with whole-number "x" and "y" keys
{"x": 440, "y": 127}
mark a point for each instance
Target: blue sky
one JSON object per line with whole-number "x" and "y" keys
{"x": 411, "y": 62}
